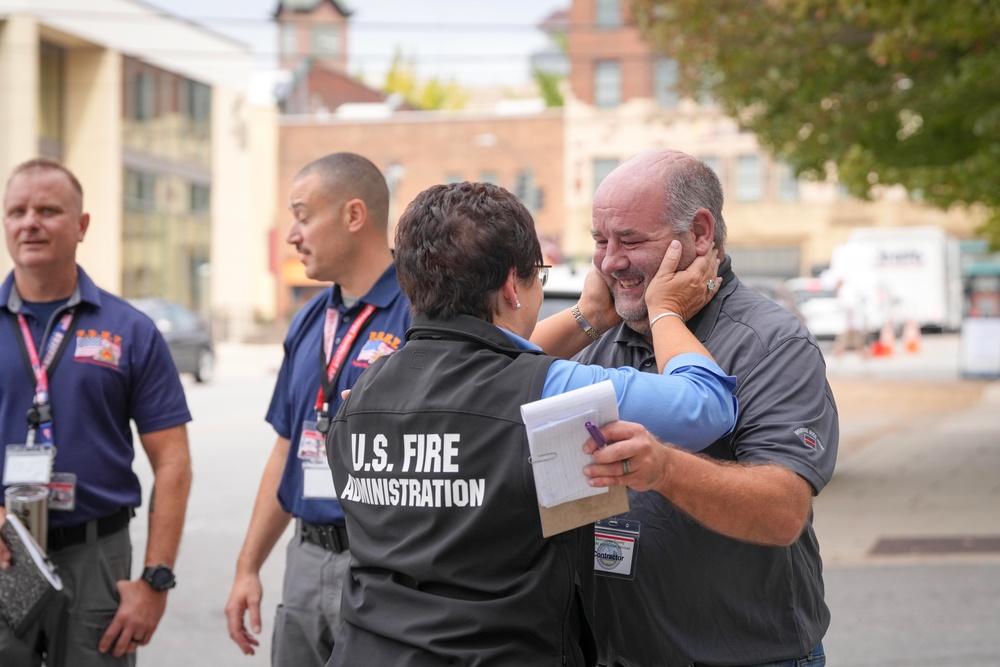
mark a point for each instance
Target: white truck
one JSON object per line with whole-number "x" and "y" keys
{"x": 917, "y": 267}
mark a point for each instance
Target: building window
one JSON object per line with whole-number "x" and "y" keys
{"x": 788, "y": 185}
{"x": 489, "y": 177}
{"x": 665, "y": 77}
{"x": 144, "y": 96}
{"x": 289, "y": 40}
{"x": 603, "y": 167}
{"x": 199, "y": 102}
{"x": 715, "y": 164}
{"x": 607, "y": 84}
{"x": 326, "y": 42}
{"x": 776, "y": 261}
{"x": 524, "y": 184}
{"x": 51, "y": 84}
{"x": 608, "y": 13}
{"x": 748, "y": 178}
{"x": 453, "y": 178}
{"x": 199, "y": 198}
{"x": 140, "y": 191}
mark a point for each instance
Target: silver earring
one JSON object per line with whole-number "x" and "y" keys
{"x": 517, "y": 304}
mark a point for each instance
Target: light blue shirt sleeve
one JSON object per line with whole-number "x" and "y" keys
{"x": 690, "y": 405}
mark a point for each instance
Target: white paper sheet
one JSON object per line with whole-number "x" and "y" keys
{"x": 556, "y": 434}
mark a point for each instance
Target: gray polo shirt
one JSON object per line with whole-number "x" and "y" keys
{"x": 696, "y": 595}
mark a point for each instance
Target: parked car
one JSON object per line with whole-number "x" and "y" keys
{"x": 187, "y": 336}
{"x": 563, "y": 288}
{"x": 776, "y": 290}
{"x": 821, "y": 309}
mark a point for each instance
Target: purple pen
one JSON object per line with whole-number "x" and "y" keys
{"x": 596, "y": 434}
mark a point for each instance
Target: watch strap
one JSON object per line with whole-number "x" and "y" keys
{"x": 584, "y": 324}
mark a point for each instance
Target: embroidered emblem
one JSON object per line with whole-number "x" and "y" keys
{"x": 99, "y": 347}
{"x": 379, "y": 344}
{"x": 809, "y": 436}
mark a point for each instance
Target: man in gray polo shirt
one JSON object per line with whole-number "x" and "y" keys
{"x": 724, "y": 569}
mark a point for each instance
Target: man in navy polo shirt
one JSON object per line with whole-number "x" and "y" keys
{"x": 340, "y": 206}
{"x": 78, "y": 364}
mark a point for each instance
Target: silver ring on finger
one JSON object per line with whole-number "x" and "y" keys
{"x": 626, "y": 468}
{"x": 711, "y": 285}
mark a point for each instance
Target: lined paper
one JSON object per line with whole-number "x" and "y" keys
{"x": 556, "y": 434}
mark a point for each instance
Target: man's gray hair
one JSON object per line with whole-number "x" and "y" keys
{"x": 691, "y": 185}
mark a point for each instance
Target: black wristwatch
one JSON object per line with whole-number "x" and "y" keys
{"x": 159, "y": 577}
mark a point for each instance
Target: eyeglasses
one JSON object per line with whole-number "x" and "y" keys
{"x": 543, "y": 273}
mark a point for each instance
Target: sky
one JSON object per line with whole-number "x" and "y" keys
{"x": 473, "y": 42}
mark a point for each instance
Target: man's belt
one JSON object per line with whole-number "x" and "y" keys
{"x": 332, "y": 537}
{"x": 60, "y": 538}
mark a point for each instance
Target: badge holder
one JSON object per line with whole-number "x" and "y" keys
{"x": 28, "y": 465}
{"x": 317, "y": 480}
{"x": 616, "y": 543}
{"x": 62, "y": 492}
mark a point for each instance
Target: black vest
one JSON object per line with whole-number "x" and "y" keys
{"x": 430, "y": 461}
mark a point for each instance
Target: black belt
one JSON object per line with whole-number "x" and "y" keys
{"x": 60, "y": 538}
{"x": 332, "y": 537}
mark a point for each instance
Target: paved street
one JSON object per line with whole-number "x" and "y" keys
{"x": 909, "y": 526}
{"x": 919, "y": 470}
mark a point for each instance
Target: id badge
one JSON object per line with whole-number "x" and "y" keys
{"x": 312, "y": 444}
{"x": 616, "y": 543}
{"x": 62, "y": 492}
{"x": 28, "y": 465}
{"x": 317, "y": 480}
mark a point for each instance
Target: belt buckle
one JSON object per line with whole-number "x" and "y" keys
{"x": 326, "y": 538}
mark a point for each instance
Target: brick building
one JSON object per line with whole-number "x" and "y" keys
{"x": 417, "y": 149}
{"x": 622, "y": 100}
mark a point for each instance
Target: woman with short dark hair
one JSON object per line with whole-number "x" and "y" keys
{"x": 430, "y": 456}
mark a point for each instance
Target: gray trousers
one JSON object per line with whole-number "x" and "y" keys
{"x": 89, "y": 573}
{"x": 308, "y": 619}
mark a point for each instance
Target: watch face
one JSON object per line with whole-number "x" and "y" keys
{"x": 160, "y": 578}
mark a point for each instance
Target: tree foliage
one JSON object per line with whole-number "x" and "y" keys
{"x": 549, "y": 87}
{"x": 433, "y": 94}
{"x": 889, "y": 91}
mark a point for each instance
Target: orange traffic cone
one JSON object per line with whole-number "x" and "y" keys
{"x": 911, "y": 336}
{"x": 886, "y": 343}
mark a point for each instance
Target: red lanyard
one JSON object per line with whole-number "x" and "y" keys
{"x": 42, "y": 415}
{"x": 332, "y": 371}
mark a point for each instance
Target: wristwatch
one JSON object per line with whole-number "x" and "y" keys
{"x": 159, "y": 577}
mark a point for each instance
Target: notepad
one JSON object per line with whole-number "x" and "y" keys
{"x": 30, "y": 583}
{"x": 556, "y": 434}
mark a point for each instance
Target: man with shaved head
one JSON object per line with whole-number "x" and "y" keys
{"x": 339, "y": 206}
{"x": 722, "y": 568}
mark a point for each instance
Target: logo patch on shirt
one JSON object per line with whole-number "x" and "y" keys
{"x": 99, "y": 347}
{"x": 379, "y": 344}
{"x": 810, "y": 438}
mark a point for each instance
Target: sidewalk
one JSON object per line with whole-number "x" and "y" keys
{"x": 927, "y": 483}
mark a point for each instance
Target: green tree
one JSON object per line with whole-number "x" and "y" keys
{"x": 890, "y": 91}
{"x": 433, "y": 94}
{"x": 549, "y": 87}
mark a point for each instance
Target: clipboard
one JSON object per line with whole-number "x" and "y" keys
{"x": 556, "y": 432}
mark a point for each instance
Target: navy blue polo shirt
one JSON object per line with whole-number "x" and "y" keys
{"x": 294, "y": 399}
{"x": 115, "y": 368}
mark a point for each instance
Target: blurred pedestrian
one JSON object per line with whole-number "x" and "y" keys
{"x": 853, "y": 305}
